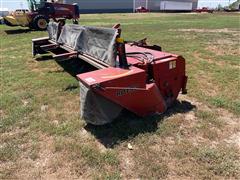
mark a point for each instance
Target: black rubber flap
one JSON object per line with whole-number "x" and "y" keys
{"x": 96, "y": 109}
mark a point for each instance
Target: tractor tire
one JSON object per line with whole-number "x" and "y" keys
{"x": 40, "y": 22}
{"x": 31, "y": 26}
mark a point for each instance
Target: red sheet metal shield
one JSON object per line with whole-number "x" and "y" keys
{"x": 127, "y": 88}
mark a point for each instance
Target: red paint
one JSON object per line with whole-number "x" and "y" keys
{"x": 141, "y": 9}
{"x": 56, "y": 10}
{"x": 144, "y": 88}
{"x": 203, "y": 9}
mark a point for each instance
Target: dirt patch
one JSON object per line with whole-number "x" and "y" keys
{"x": 227, "y": 42}
{"x": 234, "y": 139}
{"x": 206, "y": 85}
{"x": 224, "y": 47}
{"x": 218, "y": 51}
{"x": 221, "y": 50}
{"x": 186, "y": 36}
{"x": 126, "y": 163}
{"x": 224, "y": 30}
{"x": 88, "y": 137}
{"x": 126, "y": 15}
{"x": 230, "y": 120}
{"x": 15, "y": 133}
{"x": 47, "y": 165}
{"x": 2, "y": 114}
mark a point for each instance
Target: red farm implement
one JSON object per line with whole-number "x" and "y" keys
{"x": 130, "y": 75}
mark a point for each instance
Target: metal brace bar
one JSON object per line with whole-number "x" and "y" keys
{"x": 65, "y": 56}
{"x": 49, "y": 47}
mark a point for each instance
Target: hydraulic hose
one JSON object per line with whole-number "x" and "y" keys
{"x": 143, "y": 55}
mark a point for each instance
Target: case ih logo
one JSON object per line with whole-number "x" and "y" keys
{"x": 123, "y": 92}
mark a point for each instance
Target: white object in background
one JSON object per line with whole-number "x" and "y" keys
{"x": 176, "y": 6}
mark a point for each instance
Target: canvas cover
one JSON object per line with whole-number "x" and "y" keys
{"x": 53, "y": 31}
{"x": 96, "y": 109}
{"x": 97, "y": 42}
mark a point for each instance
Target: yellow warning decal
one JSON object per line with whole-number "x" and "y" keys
{"x": 172, "y": 64}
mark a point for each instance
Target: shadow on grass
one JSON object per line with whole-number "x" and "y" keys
{"x": 71, "y": 66}
{"x": 44, "y": 58}
{"x": 18, "y": 31}
{"x": 129, "y": 125}
{"x": 71, "y": 88}
{"x": 75, "y": 66}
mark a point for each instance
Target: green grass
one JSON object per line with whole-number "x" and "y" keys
{"x": 221, "y": 162}
{"x": 43, "y": 136}
{"x": 207, "y": 161}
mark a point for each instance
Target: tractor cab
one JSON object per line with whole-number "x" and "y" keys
{"x": 35, "y": 5}
{"x": 41, "y": 6}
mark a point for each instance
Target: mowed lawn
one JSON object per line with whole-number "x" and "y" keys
{"x": 42, "y": 135}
